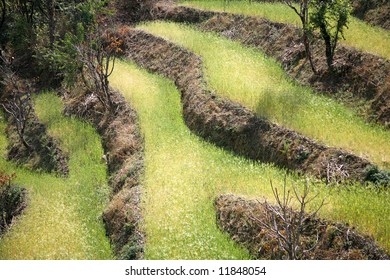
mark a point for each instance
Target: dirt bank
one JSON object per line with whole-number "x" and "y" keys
{"x": 123, "y": 146}
{"x": 360, "y": 79}
{"x": 376, "y": 12}
{"x": 243, "y": 219}
{"x": 229, "y": 124}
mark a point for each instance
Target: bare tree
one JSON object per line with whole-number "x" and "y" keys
{"x": 98, "y": 54}
{"x": 287, "y": 225}
{"x": 18, "y": 104}
{"x": 303, "y": 13}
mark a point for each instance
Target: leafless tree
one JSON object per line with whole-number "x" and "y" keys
{"x": 17, "y": 103}
{"x": 287, "y": 225}
{"x": 98, "y": 54}
{"x": 303, "y": 13}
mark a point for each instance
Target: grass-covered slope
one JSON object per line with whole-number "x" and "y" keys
{"x": 63, "y": 219}
{"x": 258, "y": 82}
{"x": 359, "y": 34}
{"x": 183, "y": 175}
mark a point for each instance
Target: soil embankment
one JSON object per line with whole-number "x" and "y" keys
{"x": 231, "y": 125}
{"x": 320, "y": 239}
{"x": 376, "y": 12}
{"x": 123, "y": 146}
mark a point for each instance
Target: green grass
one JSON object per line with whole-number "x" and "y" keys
{"x": 184, "y": 174}
{"x": 63, "y": 219}
{"x": 359, "y": 34}
{"x": 258, "y": 82}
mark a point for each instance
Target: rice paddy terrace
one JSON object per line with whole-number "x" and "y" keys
{"x": 185, "y": 170}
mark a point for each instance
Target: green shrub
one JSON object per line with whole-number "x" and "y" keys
{"x": 12, "y": 201}
{"x": 130, "y": 251}
{"x": 378, "y": 177}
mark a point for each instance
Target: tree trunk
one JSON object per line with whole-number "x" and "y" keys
{"x": 20, "y": 131}
{"x": 3, "y": 13}
{"x": 308, "y": 51}
{"x": 303, "y": 14}
{"x": 51, "y": 21}
{"x": 328, "y": 46}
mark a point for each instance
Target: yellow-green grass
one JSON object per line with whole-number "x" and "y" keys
{"x": 183, "y": 175}
{"x": 63, "y": 218}
{"x": 258, "y": 82}
{"x": 359, "y": 34}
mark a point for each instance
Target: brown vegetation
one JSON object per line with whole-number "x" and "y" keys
{"x": 123, "y": 146}
{"x": 375, "y": 12}
{"x": 132, "y": 11}
{"x": 244, "y": 220}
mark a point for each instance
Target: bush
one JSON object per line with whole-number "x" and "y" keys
{"x": 376, "y": 176}
{"x": 12, "y": 201}
{"x": 131, "y": 251}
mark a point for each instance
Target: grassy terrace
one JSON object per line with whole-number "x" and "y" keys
{"x": 184, "y": 174}
{"x": 63, "y": 219}
{"x": 359, "y": 35}
{"x": 250, "y": 78}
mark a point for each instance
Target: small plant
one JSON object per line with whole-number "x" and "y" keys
{"x": 287, "y": 225}
{"x": 286, "y": 147}
{"x": 376, "y": 176}
{"x": 133, "y": 249}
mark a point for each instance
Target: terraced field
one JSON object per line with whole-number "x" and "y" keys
{"x": 183, "y": 172}
{"x": 258, "y": 82}
{"x": 63, "y": 219}
{"x": 359, "y": 34}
